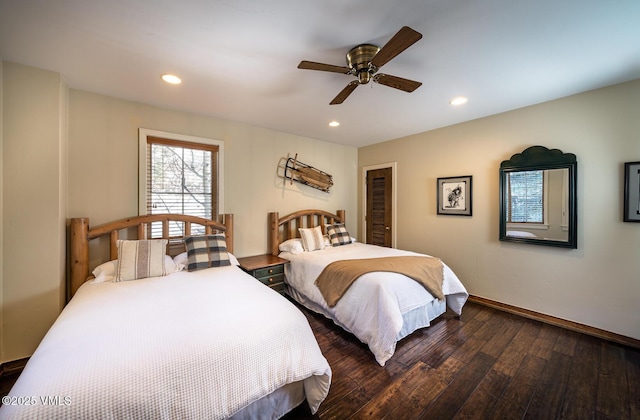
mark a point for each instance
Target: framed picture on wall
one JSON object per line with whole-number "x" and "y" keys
{"x": 454, "y": 195}
{"x": 632, "y": 192}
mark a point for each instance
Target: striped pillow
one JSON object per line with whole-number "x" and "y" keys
{"x": 338, "y": 234}
{"x": 311, "y": 238}
{"x": 206, "y": 251}
{"x": 141, "y": 259}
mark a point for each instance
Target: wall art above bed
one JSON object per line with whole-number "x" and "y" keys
{"x": 294, "y": 170}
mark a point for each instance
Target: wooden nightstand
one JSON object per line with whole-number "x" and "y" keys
{"x": 267, "y": 268}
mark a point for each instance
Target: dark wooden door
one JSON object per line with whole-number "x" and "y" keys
{"x": 379, "y": 207}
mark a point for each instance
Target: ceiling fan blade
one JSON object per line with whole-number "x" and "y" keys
{"x": 310, "y": 65}
{"x": 402, "y": 40}
{"x": 397, "y": 82}
{"x": 345, "y": 93}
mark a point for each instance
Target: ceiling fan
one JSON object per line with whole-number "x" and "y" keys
{"x": 364, "y": 60}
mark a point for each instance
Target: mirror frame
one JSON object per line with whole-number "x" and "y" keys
{"x": 541, "y": 158}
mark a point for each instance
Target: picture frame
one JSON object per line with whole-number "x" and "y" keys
{"x": 631, "y": 192}
{"x": 454, "y": 195}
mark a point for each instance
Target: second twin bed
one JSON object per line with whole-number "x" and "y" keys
{"x": 381, "y": 307}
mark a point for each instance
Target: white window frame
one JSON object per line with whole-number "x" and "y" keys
{"x": 143, "y": 133}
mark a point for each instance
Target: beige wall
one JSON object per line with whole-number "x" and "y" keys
{"x": 90, "y": 168}
{"x": 1, "y": 213}
{"x": 33, "y": 205}
{"x": 103, "y": 165}
{"x": 599, "y": 283}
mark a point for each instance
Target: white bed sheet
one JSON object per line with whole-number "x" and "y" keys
{"x": 200, "y": 345}
{"x": 379, "y": 308}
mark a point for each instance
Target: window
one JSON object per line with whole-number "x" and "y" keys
{"x": 180, "y": 178}
{"x": 526, "y": 197}
{"x": 180, "y": 175}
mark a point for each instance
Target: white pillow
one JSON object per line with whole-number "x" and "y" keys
{"x": 172, "y": 265}
{"x": 293, "y": 246}
{"x": 106, "y": 271}
{"x": 182, "y": 259}
{"x": 312, "y": 238}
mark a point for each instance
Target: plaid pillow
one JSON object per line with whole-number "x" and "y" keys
{"x": 141, "y": 259}
{"x": 338, "y": 234}
{"x": 206, "y": 251}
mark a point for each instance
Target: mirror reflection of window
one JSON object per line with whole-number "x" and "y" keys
{"x": 537, "y": 200}
{"x": 526, "y": 197}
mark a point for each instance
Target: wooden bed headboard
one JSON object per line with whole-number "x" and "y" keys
{"x": 81, "y": 234}
{"x": 286, "y": 227}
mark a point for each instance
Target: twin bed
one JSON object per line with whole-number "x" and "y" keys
{"x": 381, "y": 307}
{"x": 210, "y": 343}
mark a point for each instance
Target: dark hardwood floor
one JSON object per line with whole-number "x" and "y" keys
{"x": 488, "y": 364}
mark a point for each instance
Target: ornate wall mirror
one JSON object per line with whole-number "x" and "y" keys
{"x": 538, "y": 198}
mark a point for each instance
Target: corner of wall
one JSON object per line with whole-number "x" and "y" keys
{"x": 1, "y": 218}
{"x": 32, "y": 125}
{"x": 63, "y": 187}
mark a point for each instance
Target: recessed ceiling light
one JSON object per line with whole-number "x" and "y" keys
{"x": 460, "y": 100}
{"x": 334, "y": 124}
{"x": 171, "y": 79}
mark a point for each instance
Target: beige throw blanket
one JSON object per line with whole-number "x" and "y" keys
{"x": 337, "y": 277}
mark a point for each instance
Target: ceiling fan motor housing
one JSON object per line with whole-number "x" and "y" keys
{"x": 359, "y": 58}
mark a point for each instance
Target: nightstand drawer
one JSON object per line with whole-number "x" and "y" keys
{"x": 269, "y": 271}
{"x": 278, "y": 287}
{"x": 271, "y": 280}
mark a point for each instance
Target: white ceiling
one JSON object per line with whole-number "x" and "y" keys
{"x": 238, "y": 59}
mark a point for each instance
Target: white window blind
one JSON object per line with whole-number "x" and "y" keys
{"x": 526, "y": 197}
{"x": 181, "y": 179}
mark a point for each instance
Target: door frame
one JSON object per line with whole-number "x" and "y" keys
{"x": 394, "y": 197}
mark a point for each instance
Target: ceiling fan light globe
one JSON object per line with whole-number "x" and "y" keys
{"x": 364, "y": 77}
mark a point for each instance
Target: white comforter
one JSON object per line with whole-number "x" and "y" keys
{"x": 373, "y": 307}
{"x": 199, "y": 345}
